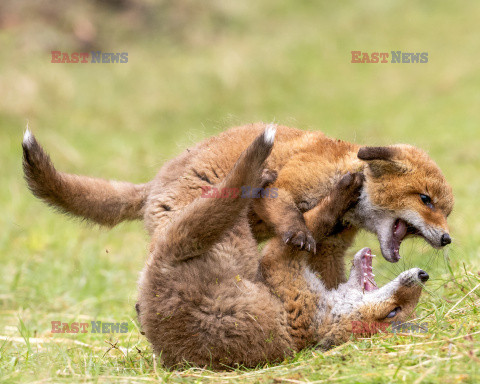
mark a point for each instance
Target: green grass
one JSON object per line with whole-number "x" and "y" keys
{"x": 287, "y": 62}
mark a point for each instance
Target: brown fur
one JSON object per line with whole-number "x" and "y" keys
{"x": 204, "y": 300}
{"x": 308, "y": 165}
{"x": 104, "y": 202}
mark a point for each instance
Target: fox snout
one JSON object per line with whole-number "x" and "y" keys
{"x": 412, "y": 277}
{"x": 445, "y": 239}
{"x": 436, "y": 237}
{"x": 433, "y": 226}
{"x": 423, "y": 276}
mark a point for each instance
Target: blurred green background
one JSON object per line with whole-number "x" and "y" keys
{"x": 194, "y": 69}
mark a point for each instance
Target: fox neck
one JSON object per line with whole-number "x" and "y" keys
{"x": 360, "y": 216}
{"x": 336, "y": 309}
{"x": 334, "y": 306}
{"x": 365, "y": 214}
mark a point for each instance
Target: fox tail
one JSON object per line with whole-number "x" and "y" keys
{"x": 102, "y": 201}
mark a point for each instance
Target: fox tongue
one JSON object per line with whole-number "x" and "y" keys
{"x": 369, "y": 286}
{"x": 399, "y": 232}
{"x": 400, "y": 229}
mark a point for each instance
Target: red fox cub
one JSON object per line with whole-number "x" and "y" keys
{"x": 206, "y": 296}
{"x": 404, "y": 193}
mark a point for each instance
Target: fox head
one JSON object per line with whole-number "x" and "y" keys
{"x": 360, "y": 301}
{"x": 404, "y": 194}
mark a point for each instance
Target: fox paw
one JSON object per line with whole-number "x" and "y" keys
{"x": 268, "y": 177}
{"x": 349, "y": 188}
{"x": 302, "y": 240}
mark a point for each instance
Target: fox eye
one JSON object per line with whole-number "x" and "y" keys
{"x": 426, "y": 200}
{"x": 393, "y": 313}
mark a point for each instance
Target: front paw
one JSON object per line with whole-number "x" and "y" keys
{"x": 268, "y": 177}
{"x": 303, "y": 240}
{"x": 349, "y": 188}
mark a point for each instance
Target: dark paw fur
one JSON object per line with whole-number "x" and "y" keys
{"x": 268, "y": 177}
{"x": 302, "y": 240}
{"x": 349, "y": 188}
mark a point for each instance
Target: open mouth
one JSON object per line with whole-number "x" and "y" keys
{"x": 400, "y": 230}
{"x": 367, "y": 277}
{"x": 362, "y": 273}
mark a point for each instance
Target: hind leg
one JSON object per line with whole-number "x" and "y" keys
{"x": 202, "y": 223}
{"x": 202, "y": 309}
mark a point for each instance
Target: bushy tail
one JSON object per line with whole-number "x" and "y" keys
{"x": 102, "y": 201}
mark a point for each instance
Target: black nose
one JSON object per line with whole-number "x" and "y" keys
{"x": 446, "y": 239}
{"x": 423, "y": 276}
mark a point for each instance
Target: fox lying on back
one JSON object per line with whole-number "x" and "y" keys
{"x": 207, "y": 296}
{"x": 404, "y": 192}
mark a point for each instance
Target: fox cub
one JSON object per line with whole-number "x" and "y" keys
{"x": 207, "y": 297}
{"x": 404, "y": 192}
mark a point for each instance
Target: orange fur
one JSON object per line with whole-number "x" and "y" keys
{"x": 204, "y": 301}
{"x": 308, "y": 165}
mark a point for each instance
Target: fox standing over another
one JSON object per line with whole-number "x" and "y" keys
{"x": 207, "y": 297}
{"x": 404, "y": 192}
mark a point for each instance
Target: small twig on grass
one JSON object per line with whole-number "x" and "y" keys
{"x": 427, "y": 372}
{"x": 463, "y": 298}
{"x": 113, "y": 346}
{"x": 431, "y": 360}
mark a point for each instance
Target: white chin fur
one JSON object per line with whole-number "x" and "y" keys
{"x": 388, "y": 290}
{"x": 378, "y": 221}
{"x": 384, "y": 230}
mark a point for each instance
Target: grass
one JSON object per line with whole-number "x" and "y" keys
{"x": 287, "y": 62}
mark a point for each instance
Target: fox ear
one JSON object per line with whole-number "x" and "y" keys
{"x": 376, "y": 153}
{"x": 382, "y": 160}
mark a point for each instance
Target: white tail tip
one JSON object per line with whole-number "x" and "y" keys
{"x": 270, "y": 132}
{"x": 27, "y": 137}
